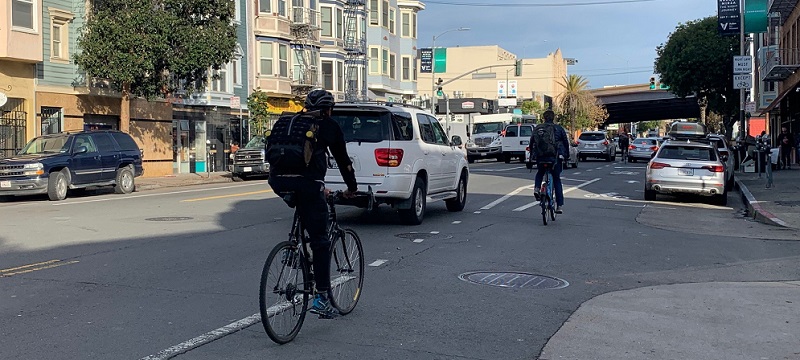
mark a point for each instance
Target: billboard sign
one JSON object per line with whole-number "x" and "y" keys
{"x": 440, "y": 60}
{"x": 755, "y": 16}
{"x": 728, "y": 17}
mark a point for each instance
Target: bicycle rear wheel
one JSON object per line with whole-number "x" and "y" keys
{"x": 283, "y": 295}
{"x": 347, "y": 271}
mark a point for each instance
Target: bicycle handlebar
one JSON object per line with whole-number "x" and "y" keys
{"x": 363, "y": 199}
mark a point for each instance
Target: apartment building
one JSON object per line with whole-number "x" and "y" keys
{"x": 778, "y": 65}
{"x": 392, "y": 49}
{"x": 19, "y": 27}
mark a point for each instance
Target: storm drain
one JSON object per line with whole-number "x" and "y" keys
{"x": 424, "y": 236}
{"x": 514, "y": 280}
{"x": 170, "y": 218}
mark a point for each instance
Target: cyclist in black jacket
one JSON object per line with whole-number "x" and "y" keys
{"x": 309, "y": 193}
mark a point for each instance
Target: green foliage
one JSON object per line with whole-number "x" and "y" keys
{"x": 577, "y": 106}
{"x": 532, "y": 107}
{"x": 696, "y": 60}
{"x": 155, "y": 46}
{"x": 259, "y": 111}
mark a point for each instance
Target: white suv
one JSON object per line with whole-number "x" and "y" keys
{"x": 403, "y": 153}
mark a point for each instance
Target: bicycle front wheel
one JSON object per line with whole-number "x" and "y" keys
{"x": 347, "y": 271}
{"x": 283, "y": 295}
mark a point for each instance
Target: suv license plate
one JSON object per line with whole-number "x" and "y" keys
{"x": 247, "y": 169}
{"x": 5, "y": 184}
{"x": 686, "y": 172}
{"x": 524, "y": 142}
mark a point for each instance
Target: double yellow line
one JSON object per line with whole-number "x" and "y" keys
{"x": 34, "y": 267}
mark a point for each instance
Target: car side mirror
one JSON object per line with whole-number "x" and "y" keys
{"x": 456, "y": 140}
{"x": 81, "y": 150}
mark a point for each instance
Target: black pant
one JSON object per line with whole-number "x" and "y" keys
{"x": 786, "y": 157}
{"x": 309, "y": 197}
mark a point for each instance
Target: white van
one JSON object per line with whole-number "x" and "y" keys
{"x": 515, "y": 139}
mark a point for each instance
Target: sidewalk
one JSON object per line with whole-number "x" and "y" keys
{"x": 778, "y": 205}
{"x": 178, "y": 180}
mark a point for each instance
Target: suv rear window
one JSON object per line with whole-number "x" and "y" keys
{"x": 688, "y": 153}
{"x": 373, "y": 126}
{"x": 125, "y": 141}
{"x": 592, "y": 137}
{"x": 645, "y": 142}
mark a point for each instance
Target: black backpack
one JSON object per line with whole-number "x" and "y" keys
{"x": 291, "y": 143}
{"x": 544, "y": 135}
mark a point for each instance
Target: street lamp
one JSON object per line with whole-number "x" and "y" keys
{"x": 433, "y": 65}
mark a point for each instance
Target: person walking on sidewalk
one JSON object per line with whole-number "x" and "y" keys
{"x": 786, "y": 143}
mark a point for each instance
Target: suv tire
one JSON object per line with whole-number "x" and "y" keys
{"x": 124, "y": 183}
{"x": 721, "y": 200}
{"x": 416, "y": 213}
{"x": 457, "y": 203}
{"x": 650, "y": 195}
{"x": 57, "y": 185}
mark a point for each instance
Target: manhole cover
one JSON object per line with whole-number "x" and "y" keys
{"x": 424, "y": 236}
{"x": 170, "y": 218}
{"x": 514, "y": 280}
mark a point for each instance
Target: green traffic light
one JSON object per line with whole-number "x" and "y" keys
{"x": 439, "y": 93}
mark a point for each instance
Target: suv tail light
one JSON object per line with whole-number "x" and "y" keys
{"x": 631, "y": 147}
{"x": 605, "y": 142}
{"x": 654, "y": 148}
{"x": 389, "y": 157}
{"x": 657, "y": 165}
{"x": 715, "y": 168}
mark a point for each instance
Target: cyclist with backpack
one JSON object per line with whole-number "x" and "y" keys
{"x": 549, "y": 144}
{"x": 297, "y": 148}
{"x": 624, "y": 142}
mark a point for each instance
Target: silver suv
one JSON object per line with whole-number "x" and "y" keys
{"x": 596, "y": 144}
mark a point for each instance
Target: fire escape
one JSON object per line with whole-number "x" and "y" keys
{"x": 305, "y": 30}
{"x": 355, "y": 47}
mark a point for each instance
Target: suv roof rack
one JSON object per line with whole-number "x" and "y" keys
{"x": 385, "y": 103}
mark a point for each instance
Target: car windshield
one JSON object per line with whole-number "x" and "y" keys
{"x": 645, "y": 142}
{"x": 688, "y": 152}
{"x": 372, "y": 126}
{"x": 592, "y": 137}
{"x": 488, "y": 128}
{"x": 258, "y": 142}
{"x": 44, "y": 145}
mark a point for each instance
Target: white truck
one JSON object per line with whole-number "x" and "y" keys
{"x": 486, "y": 140}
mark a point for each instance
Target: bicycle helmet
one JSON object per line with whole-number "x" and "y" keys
{"x": 319, "y": 99}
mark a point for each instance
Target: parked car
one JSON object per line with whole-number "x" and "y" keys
{"x": 596, "y": 144}
{"x": 250, "y": 161}
{"x": 515, "y": 140}
{"x": 686, "y": 167}
{"x": 403, "y": 153}
{"x": 54, "y": 164}
{"x": 573, "y": 156}
{"x": 643, "y": 149}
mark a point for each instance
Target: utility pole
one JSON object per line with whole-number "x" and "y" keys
{"x": 742, "y": 125}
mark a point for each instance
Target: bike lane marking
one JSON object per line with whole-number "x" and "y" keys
{"x": 528, "y": 206}
{"x": 506, "y": 197}
{"x": 378, "y": 262}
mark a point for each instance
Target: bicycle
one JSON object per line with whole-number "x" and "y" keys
{"x": 284, "y": 292}
{"x": 625, "y": 157}
{"x": 547, "y": 198}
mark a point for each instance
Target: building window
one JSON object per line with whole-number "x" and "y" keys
{"x": 265, "y": 57}
{"x": 22, "y": 14}
{"x": 238, "y": 11}
{"x": 282, "y": 7}
{"x": 393, "y": 66}
{"x": 385, "y": 12}
{"x": 374, "y": 60}
{"x": 339, "y": 24}
{"x": 406, "y": 24}
{"x": 220, "y": 81}
{"x": 406, "y": 68}
{"x": 283, "y": 60}
{"x": 385, "y": 58}
{"x": 59, "y": 34}
{"x": 265, "y": 6}
{"x": 392, "y": 17}
{"x": 414, "y": 25}
{"x": 339, "y": 76}
{"x": 373, "y": 12}
{"x": 56, "y": 45}
{"x": 327, "y": 22}
{"x": 52, "y": 120}
{"x": 414, "y": 70}
{"x": 327, "y": 75}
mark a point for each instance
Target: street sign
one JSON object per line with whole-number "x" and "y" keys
{"x": 742, "y": 64}
{"x": 751, "y": 107}
{"x": 728, "y": 17}
{"x": 501, "y": 88}
{"x": 235, "y": 102}
{"x": 742, "y": 81}
{"x": 512, "y": 88}
{"x": 425, "y": 60}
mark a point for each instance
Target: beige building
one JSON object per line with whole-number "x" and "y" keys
{"x": 540, "y": 76}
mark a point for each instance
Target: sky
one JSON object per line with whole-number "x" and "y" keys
{"x": 614, "y": 43}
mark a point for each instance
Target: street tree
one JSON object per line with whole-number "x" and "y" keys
{"x": 578, "y": 107}
{"x": 259, "y": 111}
{"x": 532, "y": 107}
{"x": 696, "y": 61}
{"x": 152, "y": 48}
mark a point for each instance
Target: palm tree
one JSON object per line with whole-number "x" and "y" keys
{"x": 575, "y": 99}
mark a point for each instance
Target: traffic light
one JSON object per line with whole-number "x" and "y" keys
{"x": 518, "y": 68}
{"x": 662, "y": 86}
{"x": 652, "y": 83}
{"x": 439, "y": 91}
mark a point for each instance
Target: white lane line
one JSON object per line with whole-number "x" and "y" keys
{"x": 528, "y": 206}
{"x": 456, "y": 222}
{"x": 378, "y": 262}
{"x": 434, "y": 232}
{"x": 589, "y": 170}
{"x": 627, "y": 205}
{"x": 158, "y": 194}
{"x": 576, "y": 173}
{"x": 600, "y": 168}
{"x": 418, "y": 240}
{"x": 477, "y": 212}
{"x": 507, "y": 196}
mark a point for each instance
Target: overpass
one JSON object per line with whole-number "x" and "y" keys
{"x": 633, "y": 103}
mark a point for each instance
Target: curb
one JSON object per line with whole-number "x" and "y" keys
{"x": 146, "y": 187}
{"x": 758, "y": 212}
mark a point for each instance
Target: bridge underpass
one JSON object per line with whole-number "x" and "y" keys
{"x": 634, "y": 103}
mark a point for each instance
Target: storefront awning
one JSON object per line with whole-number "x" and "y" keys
{"x": 779, "y": 98}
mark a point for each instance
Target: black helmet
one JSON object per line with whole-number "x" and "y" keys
{"x": 319, "y": 99}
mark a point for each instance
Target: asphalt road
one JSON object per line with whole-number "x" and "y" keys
{"x": 107, "y": 276}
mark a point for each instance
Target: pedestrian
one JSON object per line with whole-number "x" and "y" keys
{"x": 234, "y": 149}
{"x": 786, "y": 144}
